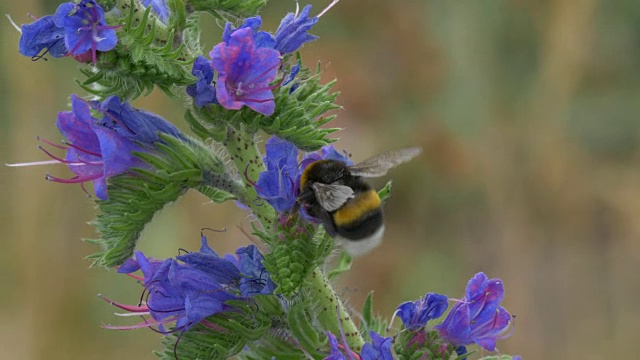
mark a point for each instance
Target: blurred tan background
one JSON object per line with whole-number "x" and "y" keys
{"x": 528, "y": 113}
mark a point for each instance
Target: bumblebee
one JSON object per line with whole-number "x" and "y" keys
{"x": 349, "y": 208}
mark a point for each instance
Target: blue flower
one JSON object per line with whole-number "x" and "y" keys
{"x": 328, "y": 152}
{"x": 293, "y": 72}
{"x": 160, "y": 7}
{"x": 100, "y": 149}
{"x": 416, "y": 314}
{"x": 255, "y": 277}
{"x": 85, "y": 28}
{"x": 177, "y": 293}
{"x": 279, "y": 184}
{"x": 478, "y": 318}
{"x": 42, "y": 34}
{"x": 292, "y": 32}
{"x": 290, "y": 36}
{"x": 194, "y": 286}
{"x": 138, "y": 125}
{"x": 378, "y": 349}
{"x": 244, "y": 73}
{"x": 260, "y": 38}
{"x": 202, "y": 91}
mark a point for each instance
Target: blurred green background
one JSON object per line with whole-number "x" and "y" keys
{"x": 528, "y": 114}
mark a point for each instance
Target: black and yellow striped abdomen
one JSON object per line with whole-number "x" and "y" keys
{"x": 360, "y": 217}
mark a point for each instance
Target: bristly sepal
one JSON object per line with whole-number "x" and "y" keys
{"x": 225, "y": 335}
{"x": 136, "y": 197}
{"x": 149, "y": 53}
{"x": 226, "y": 10}
{"x": 294, "y": 254}
{"x": 299, "y": 116}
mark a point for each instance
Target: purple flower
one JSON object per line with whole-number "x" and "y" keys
{"x": 202, "y": 91}
{"x": 160, "y": 7}
{"x": 192, "y": 287}
{"x": 99, "y": 149}
{"x": 336, "y": 353}
{"x": 378, "y": 349}
{"x": 292, "y": 32}
{"x": 279, "y": 184}
{"x": 175, "y": 293}
{"x": 478, "y": 318}
{"x": 416, "y": 314}
{"x": 244, "y": 73}
{"x": 42, "y": 34}
{"x": 85, "y": 28}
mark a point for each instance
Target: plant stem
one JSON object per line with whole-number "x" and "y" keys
{"x": 245, "y": 154}
{"x": 333, "y": 315}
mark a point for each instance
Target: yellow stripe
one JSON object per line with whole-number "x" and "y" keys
{"x": 357, "y": 207}
{"x": 305, "y": 174}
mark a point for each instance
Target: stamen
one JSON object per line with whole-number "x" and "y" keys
{"x": 392, "y": 319}
{"x": 52, "y": 143}
{"x": 297, "y": 9}
{"x": 78, "y": 162}
{"x": 81, "y": 149}
{"x": 143, "y": 324}
{"x": 132, "y": 314}
{"x": 327, "y": 8}
{"x": 35, "y": 163}
{"x": 73, "y": 180}
{"x": 13, "y": 23}
{"x": 85, "y": 190}
{"x": 137, "y": 277}
{"x": 130, "y": 308}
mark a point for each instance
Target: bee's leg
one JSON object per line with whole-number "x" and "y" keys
{"x": 327, "y": 221}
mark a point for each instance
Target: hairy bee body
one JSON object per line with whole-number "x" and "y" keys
{"x": 337, "y": 195}
{"x": 359, "y": 220}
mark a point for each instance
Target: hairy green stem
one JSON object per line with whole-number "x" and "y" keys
{"x": 245, "y": 154}
{"x": 333, "y": 315}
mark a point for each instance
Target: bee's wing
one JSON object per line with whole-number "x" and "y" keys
{"x": 379, "y": 165}
{"x": 332, "y": 196}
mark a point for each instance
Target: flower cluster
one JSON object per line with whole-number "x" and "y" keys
{"x": 98, "y": 149}
{"x": 77, "y": 29}
{"x": 279, "y": 184}
{"x": 271, "y": 306}
{"x": 188, "y": 289}
{"x": 478, "y": 318}
{"x": 247, "y": 62}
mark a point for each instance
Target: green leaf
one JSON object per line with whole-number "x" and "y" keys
{"x": 385, "y": 192}
{"x": 301, "y": 328}
{"x": 228, "y": 9}
{"x": 344, "y": 264}
{"x": 216, "y": 195}
{"x": 367, "y": 309}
